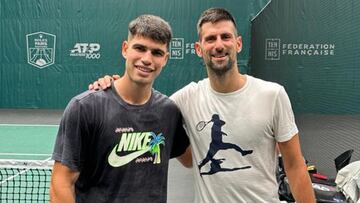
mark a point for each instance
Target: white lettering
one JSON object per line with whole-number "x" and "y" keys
{"x": 93, "y": 47}
{"x": 124, "y": 142}
{"x": 134, "y": 141}
{"x": 92, "y": 56}
{"x": 302, "y": 49}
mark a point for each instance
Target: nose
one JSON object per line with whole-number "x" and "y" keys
{"x": 146, "y": 58}
{"x": 219, "y": 45}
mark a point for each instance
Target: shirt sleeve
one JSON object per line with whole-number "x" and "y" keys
{"x": 181, "y": 140}
{"x": 69, "y": 144}
{"x": 284, "y": 122}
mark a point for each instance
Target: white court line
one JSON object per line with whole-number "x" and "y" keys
{"x": 22, "y": 154}
{"x": 29, "y": 125}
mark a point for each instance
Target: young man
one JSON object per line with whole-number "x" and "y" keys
{"x": 115, "y": 145}
{"x": 235, "y": 121}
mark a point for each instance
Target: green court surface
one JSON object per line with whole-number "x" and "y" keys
{"x": 34, "y": 142}
{"x": 22, "y": 180}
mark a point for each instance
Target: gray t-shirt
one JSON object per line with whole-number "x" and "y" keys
{"x": 121, "y": 150}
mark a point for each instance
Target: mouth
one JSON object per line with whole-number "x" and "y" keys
{"x": 143, "y": 69}
{"x": 219, "y": 56}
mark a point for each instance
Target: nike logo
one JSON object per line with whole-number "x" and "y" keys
{"x": 117, "y": 161}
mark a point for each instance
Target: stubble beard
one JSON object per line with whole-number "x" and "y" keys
{"x": 219, "y": 69}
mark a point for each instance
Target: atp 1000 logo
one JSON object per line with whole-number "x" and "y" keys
{"x": 87, "y": 50}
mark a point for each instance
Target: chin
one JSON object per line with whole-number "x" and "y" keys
{"x": 144, "y": 82}
{"x": 220, "y": 70}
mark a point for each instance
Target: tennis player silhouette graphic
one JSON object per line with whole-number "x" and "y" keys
{"x": 217, "y": 144}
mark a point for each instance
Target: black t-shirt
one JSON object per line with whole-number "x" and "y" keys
{"x": 122, "y": 151}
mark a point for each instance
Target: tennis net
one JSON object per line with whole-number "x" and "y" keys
{"x": 25, "y": 181}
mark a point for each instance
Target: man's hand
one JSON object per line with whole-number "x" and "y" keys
{"x": 103, "y": 83}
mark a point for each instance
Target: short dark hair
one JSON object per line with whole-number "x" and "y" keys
{"x": 151, "y": 26}
{"x": 214, "y": 15}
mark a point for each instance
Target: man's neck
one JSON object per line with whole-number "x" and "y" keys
{"x": 229, "y": 82}
{"x": 132, "y": 93}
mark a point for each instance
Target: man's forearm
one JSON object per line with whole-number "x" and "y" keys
{"x": 300, "y": 185}
{"x": 62, "y": 194}
{"x": 296, "y": 171}
{"x": 186, "y": 158}
{"x": 62, "y": 187}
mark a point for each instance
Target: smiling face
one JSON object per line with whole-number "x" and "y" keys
{"x": 218, "y": 46}
{"x": 145, "y": 59}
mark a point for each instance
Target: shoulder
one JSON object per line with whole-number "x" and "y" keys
{"x": 263, "y": 83}
{"x": 263, "y": 86}
{"x": 190, "y": 90}
{"x": 161, "y": 100}
{"x": 196, "y": 86}
{"x": 85, "y": 96}
{"x": 89, "y": 98}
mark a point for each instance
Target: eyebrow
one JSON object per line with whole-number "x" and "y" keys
{"x": 221, "y": 35}
{"x": 209, "y": 37}
{"x": 152, "y": 50}
{"x": 139, "y": 46}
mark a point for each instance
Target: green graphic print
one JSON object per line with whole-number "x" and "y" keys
{"x": 138, "y": 143}
{"x": 155, "y": 143}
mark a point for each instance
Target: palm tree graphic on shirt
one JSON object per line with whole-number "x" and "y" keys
{"x": 155, "y": 143}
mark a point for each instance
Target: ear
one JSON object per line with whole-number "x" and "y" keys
{"x": 124, "y": 48}
{"x": 238, "y": 44}
{"x": 167, "y": 55}
{"x": 198, "y": 49}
